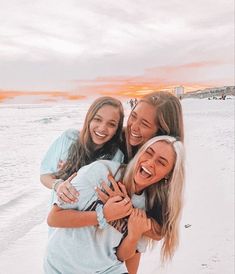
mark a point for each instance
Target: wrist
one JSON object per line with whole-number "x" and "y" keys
{"x": 56, "y": 183}
{"x": 100, "y": 216}
{"x": 133, "y": 238}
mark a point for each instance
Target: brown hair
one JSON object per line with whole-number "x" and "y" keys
{"x": 168, "y": 116}
{"x": 83, "y": 152}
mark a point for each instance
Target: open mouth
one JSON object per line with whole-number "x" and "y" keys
{"x": 135, "y": 135}
{"x": 145, "y": 172}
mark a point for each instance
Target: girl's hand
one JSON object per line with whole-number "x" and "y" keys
{"x": 118, "y": 189}
{"x": 66, "y": 192}
{"x": 117, "y": 208}
{"x": 138, "y": 224}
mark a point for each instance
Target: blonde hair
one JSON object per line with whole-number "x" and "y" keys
{"x": 163, "y": 200}
{"x": 168, "y": 116}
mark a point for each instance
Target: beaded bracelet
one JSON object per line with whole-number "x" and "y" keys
{"x": 55, "y": 183}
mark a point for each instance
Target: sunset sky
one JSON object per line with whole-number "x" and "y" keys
{"x": 125, "y": 46}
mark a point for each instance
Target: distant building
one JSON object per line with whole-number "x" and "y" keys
{"x": 179, "y": 90}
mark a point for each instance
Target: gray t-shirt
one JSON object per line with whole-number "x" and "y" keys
{"x": 88, "y": 250}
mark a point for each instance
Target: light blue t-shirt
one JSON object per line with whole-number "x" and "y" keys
{"x": 58, "y": 151}
{"x": 88, "y": 250}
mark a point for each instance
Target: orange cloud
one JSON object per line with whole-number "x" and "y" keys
{"x": 50, "y": 95}
{"x": 154, "y": 79}
{"x": 133, "y": 86}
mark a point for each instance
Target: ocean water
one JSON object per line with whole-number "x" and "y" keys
{"x": 26, "y": 131}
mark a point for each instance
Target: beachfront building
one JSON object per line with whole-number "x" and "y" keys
{"x": 179, "y": 91}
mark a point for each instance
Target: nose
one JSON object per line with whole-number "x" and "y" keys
{"x": 102, "y": 127}
{"x": 135, "y": 126}
{"x": 151, "y": 162}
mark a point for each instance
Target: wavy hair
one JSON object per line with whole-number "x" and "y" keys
{"x": 163, "y": 200}
{"x": 83, "y": 151}
{"x": 168, "y": 116}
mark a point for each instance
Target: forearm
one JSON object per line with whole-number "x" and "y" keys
{"x": 71, "y": 218}
{"x": 155, "y": 233}
{"x": 127, "y": 248}
{"x": 132, "y": 264}
{"x": 47, "y": 180}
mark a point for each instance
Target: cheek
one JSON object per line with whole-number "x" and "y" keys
{"x": 112, "y": 131}
{"x": 91, "y": 128}
{"x": 148, "y": 134}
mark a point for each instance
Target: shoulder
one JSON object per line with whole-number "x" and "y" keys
{"x": 101, "y": 168}
{"x": 118, "y": 157}
{"x": 71, "y": 134}
{"x": 105, "y": 165}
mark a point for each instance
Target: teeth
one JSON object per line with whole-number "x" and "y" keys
{"x": 99, "y": 134}
{"x": 134, "y": 135}
{"x": 146, "y": 170}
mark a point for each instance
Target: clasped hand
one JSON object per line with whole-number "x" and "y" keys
{"x": 117, "y": 202}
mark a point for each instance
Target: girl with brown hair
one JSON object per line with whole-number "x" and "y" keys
{"x": 98, "y": 139}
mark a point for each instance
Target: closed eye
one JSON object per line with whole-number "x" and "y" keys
{"x": 146, "y": 125}
{"x": 133, "y": 115}
{"x": 149, "y": 151}
{"x": 163, "y": 163}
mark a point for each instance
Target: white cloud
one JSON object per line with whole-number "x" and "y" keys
{"x": 91, "y": 38}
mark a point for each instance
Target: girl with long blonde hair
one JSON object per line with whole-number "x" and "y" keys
{"x": 154, "y": 181}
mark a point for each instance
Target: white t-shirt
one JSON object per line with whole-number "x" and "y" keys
{"x": 88, "y": 250}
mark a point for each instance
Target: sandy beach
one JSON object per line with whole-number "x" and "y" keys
{"x": 207, "y": 226}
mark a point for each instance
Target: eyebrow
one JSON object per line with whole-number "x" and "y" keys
{"x": 116, "y": 121}
{"x": 152, "y": 150}
{"x": 161, "y": 157}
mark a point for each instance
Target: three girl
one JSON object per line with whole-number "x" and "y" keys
{"x": 155, "y": 114}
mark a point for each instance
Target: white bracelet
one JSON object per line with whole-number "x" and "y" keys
{"x": 55, "y": 183}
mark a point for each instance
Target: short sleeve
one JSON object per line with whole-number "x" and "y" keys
{"x": 58, "y": 151}
{"x": 118, "y": 157}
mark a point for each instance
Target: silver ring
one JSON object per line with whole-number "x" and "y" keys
{"x": 61, "y": 193}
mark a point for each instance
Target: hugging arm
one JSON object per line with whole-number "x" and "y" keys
{"x": 116, "y": 208}
{"x": 138, "y": 224}
{"x": 155, "y": 232}
{"x": 118, "y": 188}
{"x": 69, "y": 192}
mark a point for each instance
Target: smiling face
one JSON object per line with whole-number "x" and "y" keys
{"x": 104, "y": 125}
{"x": 141, "y": 125}
{"x": 154, "y": 164}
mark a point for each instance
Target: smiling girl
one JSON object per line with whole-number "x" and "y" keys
{"x": 98, "y": 139}
{"x": 153, "y": 179}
